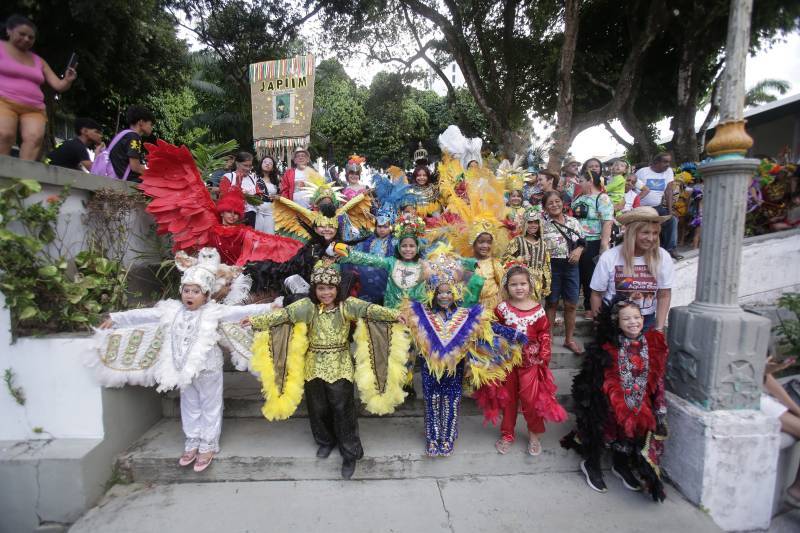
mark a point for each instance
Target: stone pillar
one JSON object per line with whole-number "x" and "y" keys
{"x": 723, "y": 451}
{"x": 717, "y": 350}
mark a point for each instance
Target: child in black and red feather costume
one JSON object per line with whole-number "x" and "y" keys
{"x": 620, "y": 402}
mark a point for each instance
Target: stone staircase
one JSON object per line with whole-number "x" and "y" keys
{"x": 253, "y": 449}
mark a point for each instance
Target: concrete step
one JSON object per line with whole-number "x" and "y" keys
{"x": 394, "y": 448}
{"x": 242, "y": 398}
{"x": 583, "y": 326}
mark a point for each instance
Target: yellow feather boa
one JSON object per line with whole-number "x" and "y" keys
{"x": 393, "y": 395}
{"x": 277, "y": 405}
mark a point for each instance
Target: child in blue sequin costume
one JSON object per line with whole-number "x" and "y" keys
{"x": 456, "y": 343}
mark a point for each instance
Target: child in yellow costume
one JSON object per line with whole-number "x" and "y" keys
{"x": 305, "y": 347}
{"x": 480, "y": 234}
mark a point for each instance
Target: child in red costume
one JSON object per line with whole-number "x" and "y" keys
{"x": 620, "y": 402}
{"x": 530, "y": 384}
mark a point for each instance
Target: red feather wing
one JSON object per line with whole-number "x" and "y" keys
{"x": 258, "y": 246}
{"x": 181, "y": 203}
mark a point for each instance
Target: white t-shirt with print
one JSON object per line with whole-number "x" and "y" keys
{"x": 641, "y": 287}
{"x": 657, "y": 183}
{"x": 301, "y": 197}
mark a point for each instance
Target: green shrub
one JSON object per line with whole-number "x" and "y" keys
{"x": 44, "y": 293}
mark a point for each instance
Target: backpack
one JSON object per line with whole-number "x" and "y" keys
{"x": 102, "y": 163}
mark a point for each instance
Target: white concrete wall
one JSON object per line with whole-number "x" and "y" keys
{"x": 724, "y": 461}
{"x": 60, "y": 394}
{"x": 70, "y": 223}
{"x": 770, "y": 267}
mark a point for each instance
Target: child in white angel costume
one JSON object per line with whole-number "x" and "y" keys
{"x": 176, "y": 344}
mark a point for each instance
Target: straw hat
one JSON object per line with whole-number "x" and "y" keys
{"x": 642, "y": 214}
{"x": 301, "y": 149}
{"x": 568, "y": 161}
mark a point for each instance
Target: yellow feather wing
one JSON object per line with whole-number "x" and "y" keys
{"x": 286, "y": 213}
{"x": 358, "y": 209}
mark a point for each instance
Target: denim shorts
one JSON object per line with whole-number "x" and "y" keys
{"x": 565, "y": 282}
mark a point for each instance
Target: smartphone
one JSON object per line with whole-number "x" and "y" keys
{"x": 73, "y": 61}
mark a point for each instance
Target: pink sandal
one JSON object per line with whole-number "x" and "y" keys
{"x": 188, "y": 457}
{"x": 203, "y": 460}
{"x": 535, "y": 447}
{"x": 502, "y": 446}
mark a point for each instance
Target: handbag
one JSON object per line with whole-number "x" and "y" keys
{"x": 571, "y": 243}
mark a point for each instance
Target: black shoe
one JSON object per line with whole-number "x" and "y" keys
{"x": 324, "y": 451}
{"x": 675, "y": 255}
{"x": 594, "y": 478}
{"x": 348, "y": 467}
{"x": 628, "y": 479}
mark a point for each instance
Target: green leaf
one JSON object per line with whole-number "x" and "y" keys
{"x": 75, "y": 294}
{"x": 103, "y": 266}
{"x": 28, "y": 312}
{"x": 6, "y": 235}
{"x": 32, "y": 186}
{"x": 48, "y": 271}
{"x": 79, "y": 318}
{"x": 90, "y": 282}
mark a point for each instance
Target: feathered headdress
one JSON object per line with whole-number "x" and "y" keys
{"x": 200, "y": 276}
{"x": 231, "y": 200}
{"x": 443, "y": 267}
{"x": 317, "y": 188}
{"x": 396, "y": 174}
{"x": 457, "y": 145}
{"x": 479, "y": 214}
{"x": 409, "y": 226}
{"x": 354, "y": 163}
{"x": 391, "y": 196}
{"x": 512, "y": 174}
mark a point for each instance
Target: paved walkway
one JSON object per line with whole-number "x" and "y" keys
{"x": 530, "y": 503}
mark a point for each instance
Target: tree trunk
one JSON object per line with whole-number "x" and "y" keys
{"x": 641, "y": 137}
{"x": 564, "y": 134}
{"x": 684, "y": 138}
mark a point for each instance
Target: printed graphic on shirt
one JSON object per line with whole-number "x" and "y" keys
{"x": 656, "y": 184}
{"x": 640, "y": 288}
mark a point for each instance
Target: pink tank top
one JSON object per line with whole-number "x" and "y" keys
{"x": 21, "y": 83}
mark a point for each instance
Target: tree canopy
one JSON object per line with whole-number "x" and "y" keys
{"x": 588, "y": 61}
{"x": 127, "y": 50}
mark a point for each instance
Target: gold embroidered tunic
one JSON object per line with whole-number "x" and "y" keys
{"x": 427, "y": 197}
{"x": 537, "y": 258}
{"x": 491, "y": 271}
{"x": 328, "y": 356}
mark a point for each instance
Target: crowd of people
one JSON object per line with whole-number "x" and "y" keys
{"x": 454, "y": 267}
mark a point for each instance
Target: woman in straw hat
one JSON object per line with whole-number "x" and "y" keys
{"x": 638, "y": 270}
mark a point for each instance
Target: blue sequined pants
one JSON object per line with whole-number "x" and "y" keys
{"x": 442, "y": 401}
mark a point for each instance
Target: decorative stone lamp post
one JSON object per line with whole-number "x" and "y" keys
{"x": 723, "y": 451}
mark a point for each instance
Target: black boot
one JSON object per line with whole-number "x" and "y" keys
{"x": 348, "y": 468}
{"x": 324, "y": 451}
{"x": 594, "y": 477}
{"x": 621, "y": 468}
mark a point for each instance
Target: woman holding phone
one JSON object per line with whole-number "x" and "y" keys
{"x": 21, "y": 99}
